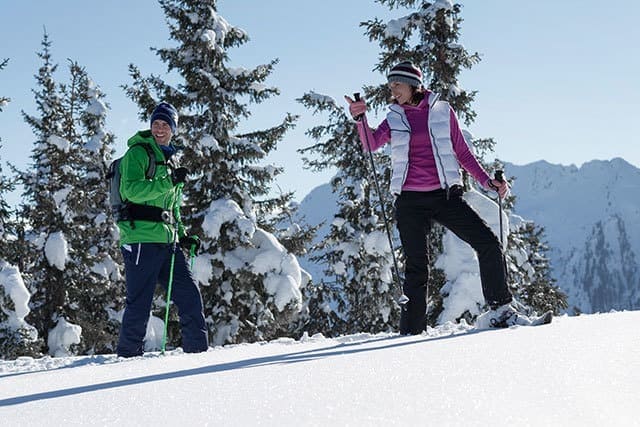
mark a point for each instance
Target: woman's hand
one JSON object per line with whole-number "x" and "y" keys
{"x": 501, "y": 187}
{"x": 356, "y": 108}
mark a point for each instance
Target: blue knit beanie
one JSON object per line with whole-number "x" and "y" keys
{"x": 167, "y": 113}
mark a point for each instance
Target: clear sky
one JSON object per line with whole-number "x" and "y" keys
{"x": 559, "y": 80}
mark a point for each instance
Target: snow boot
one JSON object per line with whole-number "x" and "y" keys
{"x": 504, "y": 316}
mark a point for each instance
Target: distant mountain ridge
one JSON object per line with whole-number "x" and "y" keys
{"x": 592, "y": 219}
{"x": 591, "y": 215}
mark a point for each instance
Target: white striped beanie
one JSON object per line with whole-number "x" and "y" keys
{"x": 405, "y": 72}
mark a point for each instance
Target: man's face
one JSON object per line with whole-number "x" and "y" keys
{"x": 161, "y": 132}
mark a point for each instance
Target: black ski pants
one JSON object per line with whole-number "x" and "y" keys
{"x": 415, "y": 212}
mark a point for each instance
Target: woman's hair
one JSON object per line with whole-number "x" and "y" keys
{"x": 417, "y": 96}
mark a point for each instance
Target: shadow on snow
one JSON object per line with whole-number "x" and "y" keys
{"x": 295, "y": 357}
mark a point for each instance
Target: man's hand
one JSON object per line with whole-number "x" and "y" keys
{"x": 188, "y": 242}
{"x": 179, "y": 176}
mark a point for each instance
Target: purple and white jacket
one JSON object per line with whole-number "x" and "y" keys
{"x": 427, "y": 146}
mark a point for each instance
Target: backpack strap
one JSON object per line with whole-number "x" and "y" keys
{"x": 131, "y": 211}
{"x": 153, "y": 161}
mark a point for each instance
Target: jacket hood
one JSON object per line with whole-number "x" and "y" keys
{"x": 141, "y": 137}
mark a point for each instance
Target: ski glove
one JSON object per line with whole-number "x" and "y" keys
{"x": 356, "y": 108}
{"x": 179, "y": 176}
{"x": 187, "y": 242}
{"x": 501, "y": 187}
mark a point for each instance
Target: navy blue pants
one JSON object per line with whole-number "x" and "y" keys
{"x": 146, "y": 265}
{"x": 415, "y": 212}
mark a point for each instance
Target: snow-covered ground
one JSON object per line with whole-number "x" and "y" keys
{"x": 578, "y": 371}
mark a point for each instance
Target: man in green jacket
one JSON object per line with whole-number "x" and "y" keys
{"x": 150, "y": 226}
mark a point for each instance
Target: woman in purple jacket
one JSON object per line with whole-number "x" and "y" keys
{"x": 427, "y": 150}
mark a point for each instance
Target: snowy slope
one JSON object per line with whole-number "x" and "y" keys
{"x": 577, "y": 371}
{"x": 592, "y": 218}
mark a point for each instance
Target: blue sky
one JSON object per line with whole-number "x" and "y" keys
{"x": 558, "y": 79}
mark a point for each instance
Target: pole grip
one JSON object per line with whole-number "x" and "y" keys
{"x": 356, "y": 97}
{"x": 499, "y": 175}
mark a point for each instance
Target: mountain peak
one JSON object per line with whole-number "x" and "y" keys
{"x": 570, "y": 203}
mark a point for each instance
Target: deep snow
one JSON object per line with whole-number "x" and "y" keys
{"x": 577, "y": 371}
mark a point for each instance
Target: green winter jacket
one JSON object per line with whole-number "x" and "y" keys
{"x": 159, "y": 192}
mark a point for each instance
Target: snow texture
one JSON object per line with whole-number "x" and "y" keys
{"x": 322, "y": 99}
{"x": 209, "y": 141}
{"x": 13, "y": 285}
{"x": 61, "y": 143}
{"x": 578, "y": 371}
{"x": 62, "y": 337}
{"x": 222, "y": 211}
{"x": 396, "y": 27}
{"x": 154, "y": 333}
{"x": 108, "y": 268}
{"x": 56, "y": 250}
{"x": 60, "y": 197}
{"x": 264, "y": 255}
{"x": 377, "y": 243}
{"x": 96, "y": 107}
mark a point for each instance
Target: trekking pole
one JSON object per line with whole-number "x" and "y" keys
{"x": 403, "y": 299}
{"x": 499, "y": 176}
{"x": 169, "y": 285}
{"x": 192, "y": 254}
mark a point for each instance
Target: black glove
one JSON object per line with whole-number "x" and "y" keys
{"x": 187, "y": 242}
{"x": 179, "y": 175}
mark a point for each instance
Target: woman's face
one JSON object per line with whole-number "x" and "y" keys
{"x": 401, "y": 92}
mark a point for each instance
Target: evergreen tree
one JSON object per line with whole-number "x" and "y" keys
{"x": 44, "y": 183}
{"x": 532, "y": 278}
{"x": 356, "y": 255}
{"x": 92, "y": 275}
{"x": 228, "y": 204}
{"x": 62, "y": 262}
{"x": 17, "y": 337}
{"x": 429, "y": 37}
{"x": 6, "y": 186}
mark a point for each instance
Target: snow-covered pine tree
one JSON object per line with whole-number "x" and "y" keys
{"x": 355, "y": 252}
{"x": 250, "y": 282}
{"x": 6, "y": 186}
{"x": 532, "y": 276}
{"x": 47, "y": 183}
{"x": 17, "y": 337}
{"x": 528, "y": 267}
{"x": 93, "y": 277}
{"x": 428, "y": 35}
